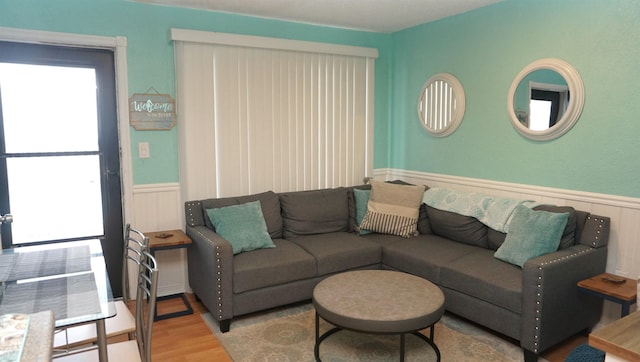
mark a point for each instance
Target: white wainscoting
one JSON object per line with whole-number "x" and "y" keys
{"x": 624, "y": 249}
{"x": 158, "y": 207}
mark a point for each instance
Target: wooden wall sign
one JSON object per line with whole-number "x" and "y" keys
{"x": 149, "y": 111}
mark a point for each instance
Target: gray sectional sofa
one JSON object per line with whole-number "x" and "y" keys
{"x": 313, "y": 233}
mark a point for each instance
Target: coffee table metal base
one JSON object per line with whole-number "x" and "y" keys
{"x": 320, "y": 338}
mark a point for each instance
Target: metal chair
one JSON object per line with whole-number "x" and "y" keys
{"x": 135, "y": 242}
{"x": 140, "y": 348}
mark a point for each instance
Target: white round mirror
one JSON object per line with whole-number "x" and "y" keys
{"x": 545, "y": 99}
{"x": 441, "y": 104}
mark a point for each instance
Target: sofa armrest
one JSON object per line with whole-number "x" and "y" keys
{"x": 210, "y": 264}
{"x": 552, "y": 307}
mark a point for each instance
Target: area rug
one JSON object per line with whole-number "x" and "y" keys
{"x": 288, "y": 335}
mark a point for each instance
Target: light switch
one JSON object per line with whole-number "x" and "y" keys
{"x": 143, "y": 150}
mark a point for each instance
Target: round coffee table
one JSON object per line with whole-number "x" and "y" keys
{"x": 378, "y": 301}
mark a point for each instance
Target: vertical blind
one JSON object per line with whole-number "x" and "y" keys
{"x": 255, "y": 118}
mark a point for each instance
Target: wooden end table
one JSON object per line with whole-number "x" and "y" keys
{"x": 622, "y": 293}
{"x": 169, "y": 240}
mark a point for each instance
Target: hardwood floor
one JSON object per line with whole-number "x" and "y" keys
{"x": 185, "y": 338}
{"x": 188, "y": 338}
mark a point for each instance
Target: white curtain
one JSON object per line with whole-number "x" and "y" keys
{"x": 256, "y": 116}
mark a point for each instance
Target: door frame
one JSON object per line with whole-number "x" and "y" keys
{"x": 119, "y": 46}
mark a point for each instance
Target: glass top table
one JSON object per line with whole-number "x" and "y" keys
{"x": 67, "y": 278}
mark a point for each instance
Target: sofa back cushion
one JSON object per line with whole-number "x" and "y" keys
{"x": 463, "y": 229}
{"x": 314, "y": 212}
{"x": 495, "y": 238}
{"x": 269, "y": 202}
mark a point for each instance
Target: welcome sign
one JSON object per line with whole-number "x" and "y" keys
{"x": 152, "y": 111}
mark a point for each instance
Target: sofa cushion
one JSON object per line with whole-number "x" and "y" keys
{"x": 340, "y": 251}
{"x": 361, "y": 198}
{"x": 269, "y": 202}
{"x": 424, "y": 255}
{"x": 531, "y": 233}
{"x": 423, "y": 221}
{"x": 495, "y": 238}
{"x": 464, "y": 229}
{"x": 569, "y": 236}
{"x": 261, "y": 268}
{"x": 569, "y": 233}
{"x": 581, "y": 219}
{"x": 393, "y": 209}
{"x": 243, "y": 226}
{"x": 314, "y": 212}
{"x": 482, "y": 276}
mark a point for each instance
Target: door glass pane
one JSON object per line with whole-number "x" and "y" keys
{"x": 55, "y": 197}
{"x": 540, "y": 114}
{"x": 48, "y": 108}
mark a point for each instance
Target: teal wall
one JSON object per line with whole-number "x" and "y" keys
{"x": 485, "y": 49}
{"x": 150, "y": 55}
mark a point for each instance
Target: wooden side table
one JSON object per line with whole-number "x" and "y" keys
{"x": 620, "y": 338}
{"x": 169, "y": 240}
{"x": 622, "y": 293}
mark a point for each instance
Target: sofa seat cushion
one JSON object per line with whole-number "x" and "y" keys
{"x": 341, "y": 251}
{"x": 267, "y": 267}
{"x": 484, "y": 277}
{"x": 424, "y": 255}
{"x": 314, "y": 212}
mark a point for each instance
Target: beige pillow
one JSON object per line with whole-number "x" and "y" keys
{"x": 393, "y": 209}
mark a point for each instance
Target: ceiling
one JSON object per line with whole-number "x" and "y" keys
{"x": 384, "y": 16}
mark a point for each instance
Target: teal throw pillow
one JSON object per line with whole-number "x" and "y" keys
{"x": 243, "y": 226}
{"x": 362, "y": 199}
{"x": 531, "y": 234}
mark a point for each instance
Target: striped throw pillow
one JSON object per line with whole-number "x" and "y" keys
{"x": 393, "y": 209}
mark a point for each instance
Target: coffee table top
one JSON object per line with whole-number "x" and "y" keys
{"x": 380, "y": 301}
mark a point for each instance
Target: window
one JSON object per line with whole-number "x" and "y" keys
{"x": 268, "y": 114}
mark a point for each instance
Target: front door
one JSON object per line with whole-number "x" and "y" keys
{"x": 59, "y": 151}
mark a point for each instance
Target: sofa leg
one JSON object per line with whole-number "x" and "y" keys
{"x": 530, "y": 356}
{"x": 225, "y": 325}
